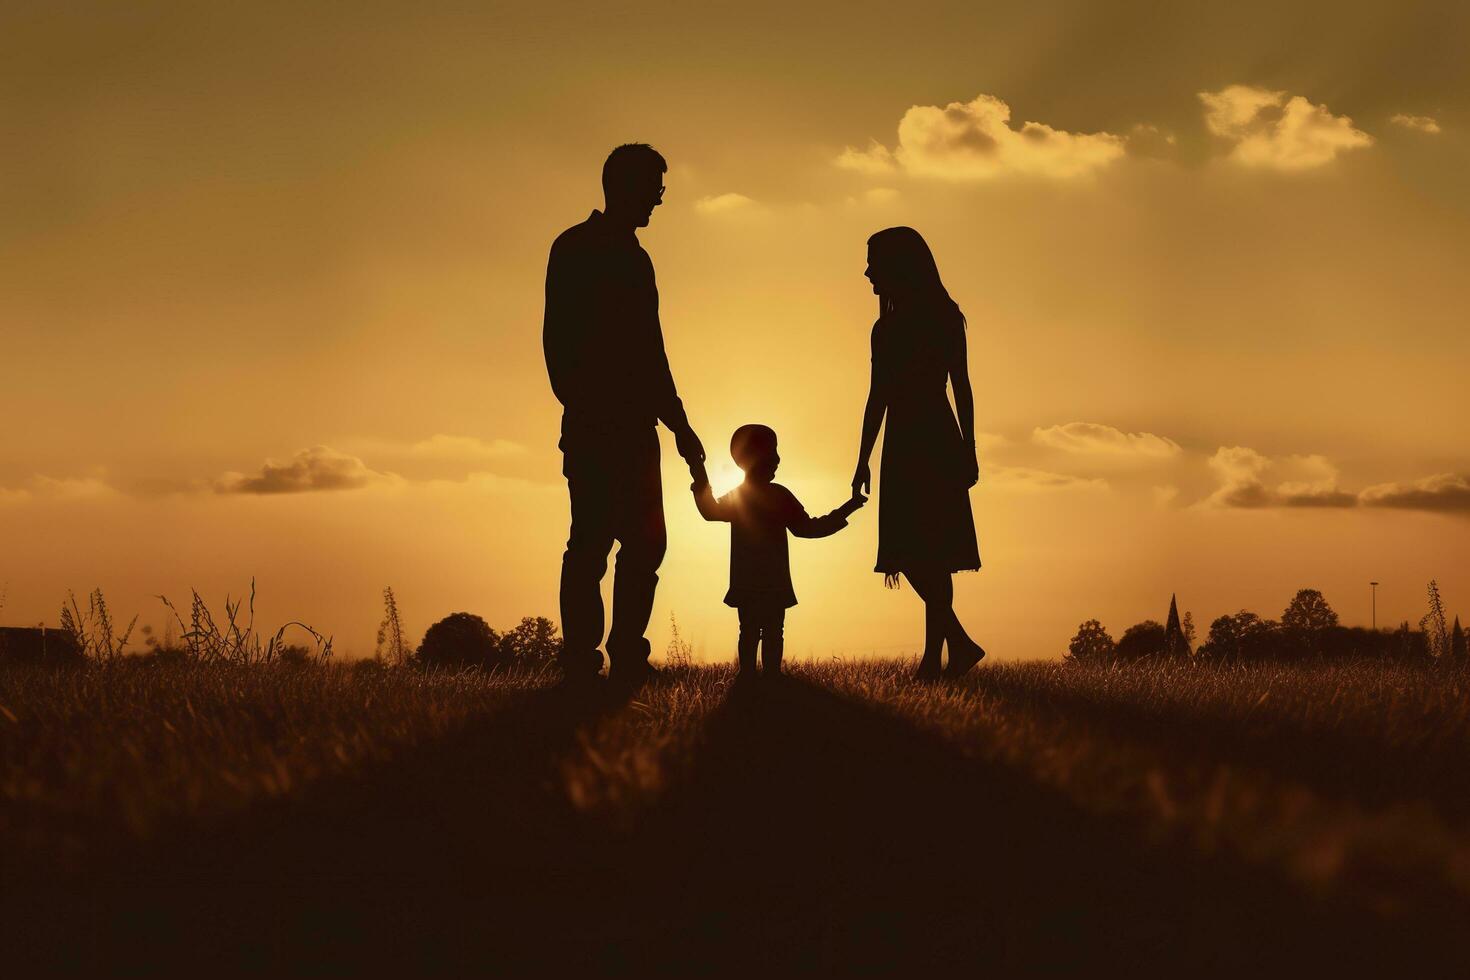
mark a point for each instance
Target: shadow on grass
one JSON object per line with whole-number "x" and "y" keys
{"x": 816, "y": 834}
{"x": 424, "y": 861}
{"x": 823, "y": 835}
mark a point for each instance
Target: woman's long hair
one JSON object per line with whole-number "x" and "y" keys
{"x": 906, "y": 255}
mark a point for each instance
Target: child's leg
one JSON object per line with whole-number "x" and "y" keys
{"x": 750, "y": 636}
{"x": 773, "y": 641}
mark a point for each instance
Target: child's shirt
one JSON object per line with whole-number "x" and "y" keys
{"x": 760, "y": 514}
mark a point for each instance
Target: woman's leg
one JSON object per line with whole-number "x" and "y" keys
{"x": 936, "y": 588}
{"x": 937, "y": 592}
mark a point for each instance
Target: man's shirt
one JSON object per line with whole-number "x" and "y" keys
{"x": 603, "y": 341}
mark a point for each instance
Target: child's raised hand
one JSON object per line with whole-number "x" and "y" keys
{"x": 858, "y": 499}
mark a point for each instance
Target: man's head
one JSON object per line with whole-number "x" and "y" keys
{"x": 633, "y": 183}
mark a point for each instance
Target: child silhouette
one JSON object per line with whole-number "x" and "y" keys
{"x": 760, "y": 513}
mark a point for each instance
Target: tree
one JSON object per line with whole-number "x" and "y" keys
{"x": 532, "y": 643}
{"x": 1242, "y": 636}
{"x": 1091, "y": 645}
{"x": 1141, "y": 641}
{"x": 461, "y": 640}
{"x": 1308, "y": 614}
{"x": 1189, "y": 634}
{"x": 1457, "y": 644}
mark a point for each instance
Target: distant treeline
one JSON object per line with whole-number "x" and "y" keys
{"x": 1308, "y": 629}
{"x": 89, "y": 635}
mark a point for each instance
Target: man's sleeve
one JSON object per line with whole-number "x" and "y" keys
{"x": 560, "y": 327}
{"x": 669, "y": 407}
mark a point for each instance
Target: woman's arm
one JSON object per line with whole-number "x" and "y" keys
{"x": 964, "y": 401}
{"x": 862, "y": 477}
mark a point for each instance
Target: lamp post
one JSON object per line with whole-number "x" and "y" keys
{"x": 1375, "y": 605}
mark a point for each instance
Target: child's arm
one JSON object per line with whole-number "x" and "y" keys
{"x": 704, "y": 498}
{"x": 805, "y": 526}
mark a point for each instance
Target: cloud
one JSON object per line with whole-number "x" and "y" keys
{"x": 1092, "y": 438}
{"x": 1148, "y": 140}
{"x": 1027, "y": 480}
{"x": 723, "y": 204}
{"x": 1242, "y": 472}
{"x": 317, "y": 468}
{"x": 1272, "y": 131}
{"x": 1442, "y": 493}
{"x": 1424, "y": 124}
{"x": 975, "y": 141}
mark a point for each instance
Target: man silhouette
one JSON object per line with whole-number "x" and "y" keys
{"x": 605, "y": 355}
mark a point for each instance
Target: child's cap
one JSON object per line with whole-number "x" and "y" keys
{"x": 752, "y": 443}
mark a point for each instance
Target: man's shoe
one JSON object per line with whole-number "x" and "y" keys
{"x": 579, "y": 665}
{"x": 629, "y": 675}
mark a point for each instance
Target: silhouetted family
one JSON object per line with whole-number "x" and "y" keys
{"x": 605, "y": 356}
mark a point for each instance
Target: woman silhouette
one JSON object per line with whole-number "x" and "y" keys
{"x": 925, "y": 530}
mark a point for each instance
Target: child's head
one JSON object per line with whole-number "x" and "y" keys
{"x": 754, "y": 450}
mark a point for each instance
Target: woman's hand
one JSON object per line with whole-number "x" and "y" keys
{"x": 862, "y": 479}
{"x": 972, "y": 472}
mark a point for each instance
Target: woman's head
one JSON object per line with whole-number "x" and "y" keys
{"x": 904, "y": 274}
{"x": 753, "y": 448}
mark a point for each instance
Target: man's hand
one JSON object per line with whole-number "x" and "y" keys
{"x": 862, "y": 479}
{"x": 698, "y": 474}
{"x": 689, "y": 446}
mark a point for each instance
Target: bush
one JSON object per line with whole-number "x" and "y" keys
{"x": 461, "y": 640}
{"x": 1141, "y": 641}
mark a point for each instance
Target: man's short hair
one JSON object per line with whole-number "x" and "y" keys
{"x": 629, "y": 162}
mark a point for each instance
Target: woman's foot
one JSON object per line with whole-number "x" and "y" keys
{"x": 963, "y": 657}
{"x": 928, "y": 669}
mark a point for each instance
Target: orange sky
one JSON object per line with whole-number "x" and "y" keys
{"x": 1212, "y": 258}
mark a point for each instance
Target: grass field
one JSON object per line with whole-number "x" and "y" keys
{"x": 1033, "y": 817}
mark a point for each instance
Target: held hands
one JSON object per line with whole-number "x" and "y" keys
{"x": 690, "y": 448}
{"x": 862, "y": 480}
{"x": 852, "y": 503}
{"x": 699, "y": 475}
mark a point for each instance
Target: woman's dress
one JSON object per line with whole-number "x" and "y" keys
{"x": 924, "y": 518}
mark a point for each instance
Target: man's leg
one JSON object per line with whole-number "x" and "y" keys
{"x": 585, "y": 562}
{"x": 639, "y": 527}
